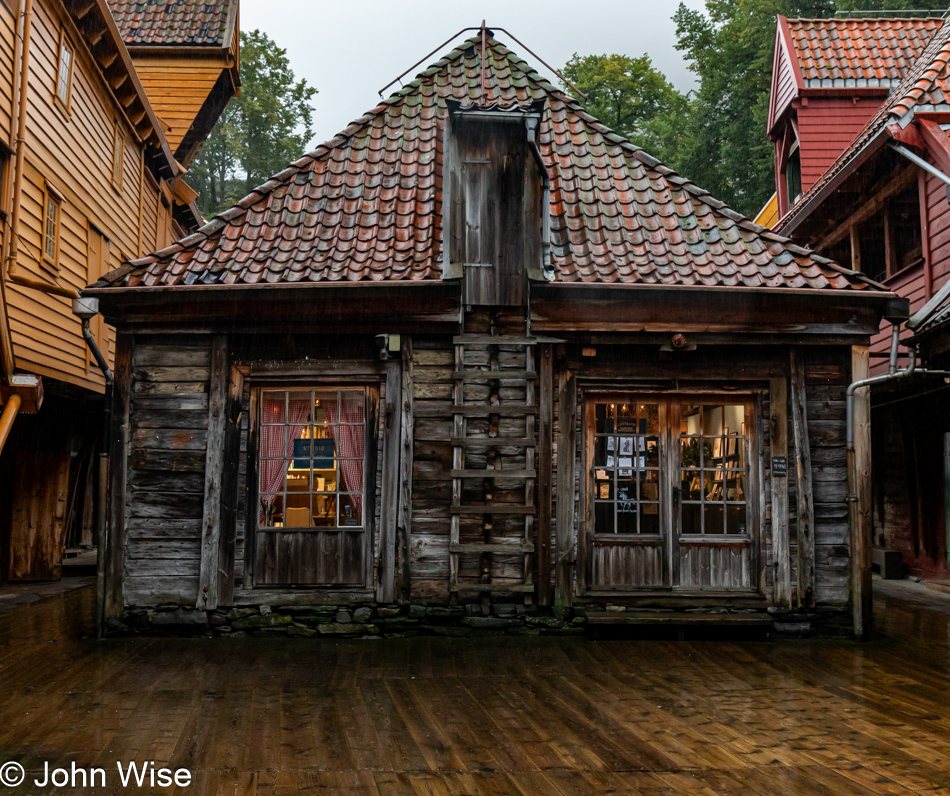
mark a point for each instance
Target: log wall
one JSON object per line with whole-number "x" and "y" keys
{"x": 168, "y": 437}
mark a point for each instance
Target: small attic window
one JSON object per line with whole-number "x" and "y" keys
{"x": 793, "y": 175}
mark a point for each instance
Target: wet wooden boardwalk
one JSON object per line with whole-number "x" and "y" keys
{"x": 492, "y": 716}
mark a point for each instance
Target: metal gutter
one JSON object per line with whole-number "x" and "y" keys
{"x": 919, "y": 161}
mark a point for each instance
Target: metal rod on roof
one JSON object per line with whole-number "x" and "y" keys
{"x": 484, "y": 97}
{"x": 425, "y": 58}
{"x": 542, "y": 61}
{"x": 910, "y": 13}
{"x": 483, "y": 28}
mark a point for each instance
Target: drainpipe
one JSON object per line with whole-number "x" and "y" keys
{"x": 11, "y": 275}
{"x": 532, "y": 125}
{"x": 10, "y": 409}
{"x": 86, "y": 309}
{"x": 919, "y": 161}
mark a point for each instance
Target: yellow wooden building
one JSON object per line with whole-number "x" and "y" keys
{"x": 91, "y": 173}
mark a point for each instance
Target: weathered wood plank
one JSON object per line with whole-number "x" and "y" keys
{"x": 566, "y": 453}
{"x": 778, "y": 423}
{"x": 230, "y": 480}
{"x": 545, "y": 473}
{"x": 859, "y": 482}
{"x": 806, "y": 509}
{"x": 402, "y": 577}
{"x": 112, "y": 599}
{"x": 214, "y": 464}
{"x": 389, "y": 506}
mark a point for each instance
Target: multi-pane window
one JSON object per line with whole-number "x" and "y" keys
{"x": 64, "y": 72}
{"x": 714, "y": 451}
{"x": 312, "y": 458}
{"x": 626, "y": 467}
{"x": 51, "y": 228}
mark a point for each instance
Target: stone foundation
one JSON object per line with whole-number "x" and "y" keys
{"x": 371, "y": 621}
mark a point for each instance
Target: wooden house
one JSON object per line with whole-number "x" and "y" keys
{"x": 87, "y": 180}
{"x": 186, "y": 53}
{"x": 880, "y": 203}
{"x": 480, "y": 360}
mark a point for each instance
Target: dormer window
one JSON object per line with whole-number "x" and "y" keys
{"x": 793, "y": 175}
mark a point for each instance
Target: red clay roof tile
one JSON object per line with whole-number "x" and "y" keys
{"x": 188, "y": 23}
{"x": 618, "y": 216}
{"x": 858, "y": 52}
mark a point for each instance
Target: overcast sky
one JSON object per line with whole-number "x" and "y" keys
{"x": 350, "y": 50}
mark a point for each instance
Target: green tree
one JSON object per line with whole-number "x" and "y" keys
{"x": 633, "y": 98}
{"x": 260, "y": 132}
{"x": 729, "y": 45}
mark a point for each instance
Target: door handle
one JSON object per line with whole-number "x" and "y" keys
{"x": 676, "y": 496}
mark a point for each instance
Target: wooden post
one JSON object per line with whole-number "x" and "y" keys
{"x": 231, "y": 463}
{"x": 566, "y": 453}
{"x": 214, "y": 466}
{"x": 545, "y": 472}
{"x": 855, "y": 248}
{"x": 778, "y": 422}
{"x": 806, "y": 503}
{"x": 389, "y": 505}
{"x": 859, "y": 483}
{"x": 406, "y": 431}
{"x": 118, "y": 475}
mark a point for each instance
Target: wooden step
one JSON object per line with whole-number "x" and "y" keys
{"x": 676, "y": 618}
{"x": 494, "y": 375}
{"x": 494, "y": 508}
{"x": 491, "y": 548}
{"x": 493, "y": 339}
{"x": 494, "y": 442}
{"x": 492, "y": 587}
{"x": 494, "y": 474}
{"x": 473, "y": 410}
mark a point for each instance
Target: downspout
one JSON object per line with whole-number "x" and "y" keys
{"x": 919, "y": 161}
{"x": 532, "y": 124}
{"x": 11, "y": 275}
{"x": 10, "y": 409}
{"x": 86, "y": 309}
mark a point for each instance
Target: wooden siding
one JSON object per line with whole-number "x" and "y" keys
{"x": 166, "y": 476}
{"x": 177, "y": 86}
{"x": 784, "y": 86}
{"x": 826, "y": 126}
{"x": 72, "y": 151}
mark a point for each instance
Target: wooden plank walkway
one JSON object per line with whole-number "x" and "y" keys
{"x": 500, "y": 715}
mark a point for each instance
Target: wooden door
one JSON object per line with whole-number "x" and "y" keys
{"x": 39, "y": 509}
{"x": 713, "y": 529}
{"x": 628, "y": 504}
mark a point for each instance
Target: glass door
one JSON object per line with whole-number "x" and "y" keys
{"x": 713, "y": 536}
{"x": 668, "y": 498}
{"x": 628, "y": 516}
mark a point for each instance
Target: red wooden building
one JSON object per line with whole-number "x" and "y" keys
{"x": 858, "y": 114}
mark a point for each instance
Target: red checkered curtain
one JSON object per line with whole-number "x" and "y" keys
{"x": 349, "y": 441}
{"x": 274, "y": 443}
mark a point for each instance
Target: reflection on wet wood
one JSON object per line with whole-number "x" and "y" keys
{"x": 489, "y": 715}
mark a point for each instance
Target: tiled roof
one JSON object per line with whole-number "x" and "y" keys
{"x": 858, "y": 52}
{"x": 366, "y": 206}
{"x": 172, "y": 22}
{"x": 925, "y": 87}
